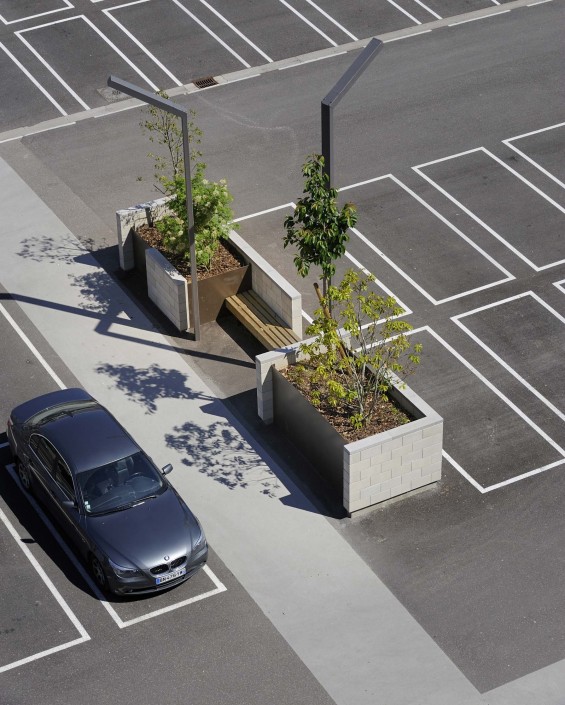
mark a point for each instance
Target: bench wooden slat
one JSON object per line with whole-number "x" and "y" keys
{"x": 260, "y": 320}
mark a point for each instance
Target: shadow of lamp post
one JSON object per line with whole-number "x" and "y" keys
{"x": 334, "y": 97}
{"x": 179, "y": 111}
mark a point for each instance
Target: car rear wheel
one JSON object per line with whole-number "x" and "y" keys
{"x": 98, "y": 573}
{"x": 25, "y": 476}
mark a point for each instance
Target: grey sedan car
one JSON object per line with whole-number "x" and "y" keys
{"x": 130, "y": 525}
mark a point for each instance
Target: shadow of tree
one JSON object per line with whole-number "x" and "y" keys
{"x": 146, "y": 385}
{"x": 219, "y": 452}
{"x": 42, "y": 248}
{"x": 99, "y": 290}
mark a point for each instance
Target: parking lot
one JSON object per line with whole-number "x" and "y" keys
{"x": 56, "y": 54}
{"x": 463, "y": 224}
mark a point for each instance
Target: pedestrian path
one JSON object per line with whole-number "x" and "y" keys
{"x": 344, "y": 624}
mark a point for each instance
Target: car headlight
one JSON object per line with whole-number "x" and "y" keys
{"x": 122, "y": 572}
{"x": 199, "y": 540}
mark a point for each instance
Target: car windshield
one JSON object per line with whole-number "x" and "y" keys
{"x": 120, "y": 484}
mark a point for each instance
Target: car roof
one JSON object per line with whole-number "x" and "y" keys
{"x": 88, "y": 438}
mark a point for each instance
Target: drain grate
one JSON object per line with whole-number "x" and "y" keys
{"x": 205, "y": 82}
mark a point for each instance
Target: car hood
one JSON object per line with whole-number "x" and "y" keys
{"x": 146, "y": 533}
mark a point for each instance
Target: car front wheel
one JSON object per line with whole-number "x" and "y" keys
{"x": 25, "y": 476}
{"x": 98, "y": 573}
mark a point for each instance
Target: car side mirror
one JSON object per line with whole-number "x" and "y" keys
{"x": 70, "y": 503}
{"x": 167, "y": 469}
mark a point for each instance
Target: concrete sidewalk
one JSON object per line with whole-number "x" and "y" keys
{"x": 345, "y": 625}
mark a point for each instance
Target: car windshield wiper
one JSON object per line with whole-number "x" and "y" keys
{"x": 127, "y": 505}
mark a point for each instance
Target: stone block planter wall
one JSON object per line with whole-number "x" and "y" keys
{"x": 372, "y": 470}
{"x": 129, "y": 219}
{"x": 274, "y": 289}
{"x": 168, "y": 289}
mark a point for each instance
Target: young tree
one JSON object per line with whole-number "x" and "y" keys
{"x": 357, "y": 380}
{"x": 210, "y": 200}
{"x": 318, "y": 227}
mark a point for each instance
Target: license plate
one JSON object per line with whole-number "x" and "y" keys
{"x": 170, "y": 576}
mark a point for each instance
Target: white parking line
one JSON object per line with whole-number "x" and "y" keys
{"x": 212, "y": 34}
{"x": 65, "y": 85}
{"x": 512, "y": 406}
{"x": 33, "y": 80}
{"x": 32, "y": 348}
{"x": 38, "y": 56}
{"x": 391, "y": 263}
{"x": 219, "y": 587}
{"x": 144, "y": 49}
{"x": 56, "y": 594}
{"x": 307, "y": 21}
{"x": 67, "y": 4}
{"x": 428, "y": 9}
{"x": 529, "y": 159}
{"x": 406, "y": 309}
{"x": 391, "y": 2}
{"x": 560, "y": 285}
{"x": 236, "y": 30}
{"x": 418, "y": 170}
{"x": 507, "y": 367}
{"x": 331, "y": 19}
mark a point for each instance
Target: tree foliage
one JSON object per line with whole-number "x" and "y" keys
{"x": 318, "y": 227}
{"x": 355, "y": 377}
{"x": 211, "y": 200}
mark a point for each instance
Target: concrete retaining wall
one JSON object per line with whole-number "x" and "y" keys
{"x": 376, "y": 468}
{"x": 167, "y": 288}
{"x": 129, "y": 219}
{"x": 274, "y": 289}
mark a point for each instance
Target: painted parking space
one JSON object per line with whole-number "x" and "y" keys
{"x": 23, "y": 94}
{"x": 480, "y": 423}
{"x": 293, "y": 35}
{"x": 253, "y": 228}
{"x": 63, "y": 45}
{"x": 507, "y": 205}
{"x": 203, "y": 585}
{"x": 544, "y": 149}
{"x": 14, "y": 11}
{"x": 35, "y": 620}
{"x": 527, "y": 337}
{"x": 438, "y": 259}
{"x": 450, "y": 8}
{"x": 129, "y": 611}
{"x": 206, "y": 53}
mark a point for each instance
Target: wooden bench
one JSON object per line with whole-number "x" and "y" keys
{"x": 261, "y": 320}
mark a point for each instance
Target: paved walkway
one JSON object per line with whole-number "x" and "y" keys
{"x": 344, "y": 624}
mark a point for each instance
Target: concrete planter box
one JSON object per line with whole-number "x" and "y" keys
{"x": 365, "y": 472}
{"x": 168, "y": 289}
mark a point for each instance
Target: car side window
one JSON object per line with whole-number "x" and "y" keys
{"x": 63, "y": 476}
{"x": 44, "y": 450}
{"x": 53, "y": 462}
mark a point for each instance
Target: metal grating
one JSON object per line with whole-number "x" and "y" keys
{"x": 205, "y": 82}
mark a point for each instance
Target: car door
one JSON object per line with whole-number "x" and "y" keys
{"x": 65, "y": 498}
{"x": 57, "y": 487}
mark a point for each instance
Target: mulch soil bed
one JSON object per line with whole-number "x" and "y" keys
{"x": 386, "y": 415}
{"x": 223, "y": 261}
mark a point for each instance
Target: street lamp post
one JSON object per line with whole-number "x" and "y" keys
{"x": 179, "y": 111}
{"x": 335, "y": 95}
